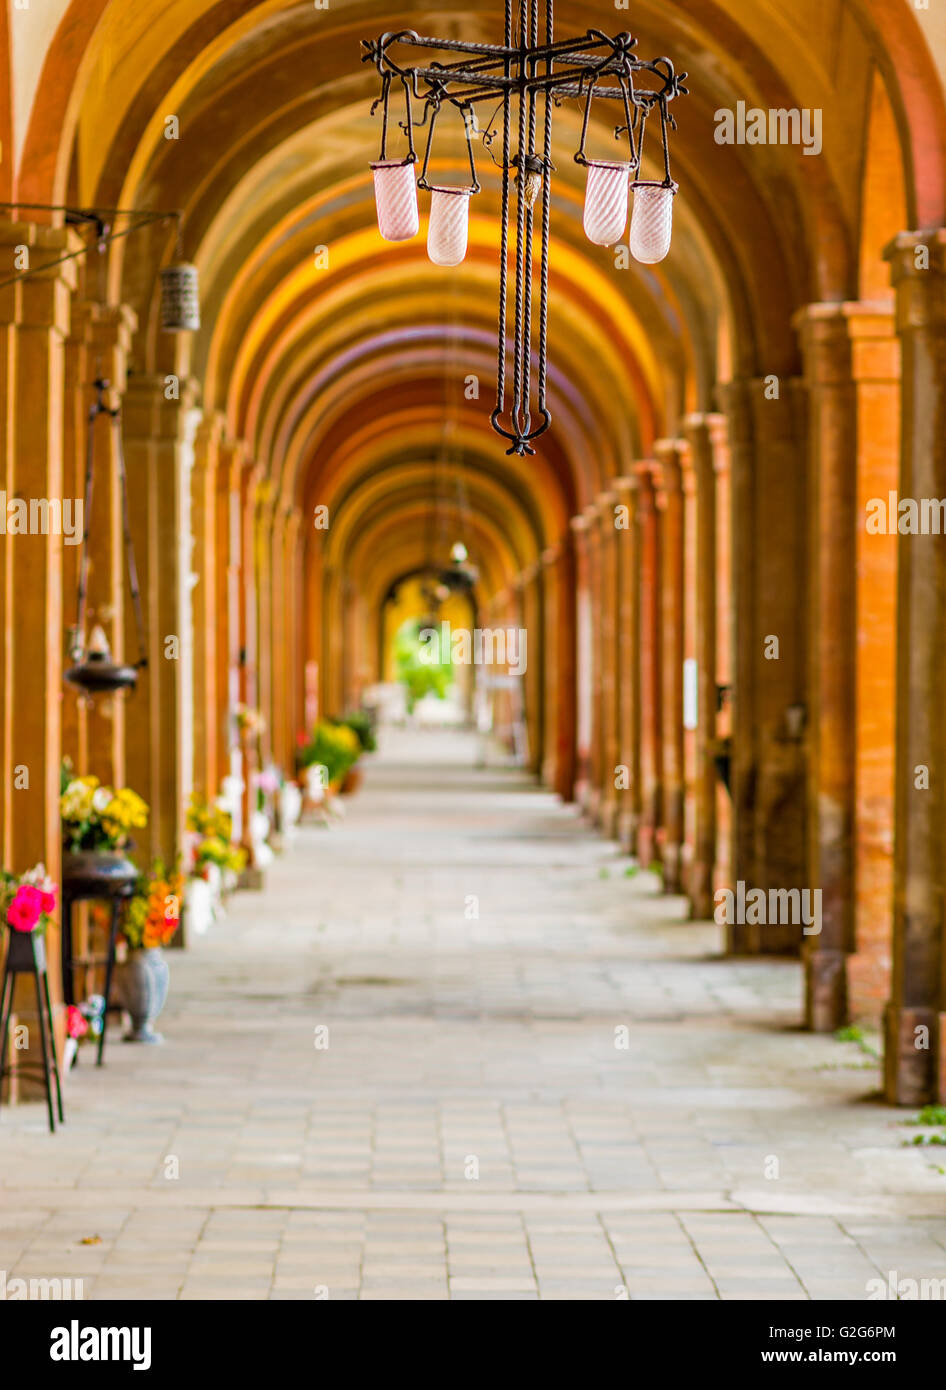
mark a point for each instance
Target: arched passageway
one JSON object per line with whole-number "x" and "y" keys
{"x": 734, "y": 672}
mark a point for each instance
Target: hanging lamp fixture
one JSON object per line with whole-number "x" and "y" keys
{"x": 528, "y": 70}
{"x": 93, "y": 670}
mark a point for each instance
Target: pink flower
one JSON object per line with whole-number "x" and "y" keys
{"x": 48, "y": 901}
{"x": 25, "y": 910}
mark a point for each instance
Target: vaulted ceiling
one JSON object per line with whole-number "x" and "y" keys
{"x": 344, "y": 362}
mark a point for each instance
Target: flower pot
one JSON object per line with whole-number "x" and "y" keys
{"x": 26, "y": 951}
{"x": 142, "y": 988}
{"x": 199, "y": 905}
{"x": 352, "y": 780}
{"x": 102, "y": 873}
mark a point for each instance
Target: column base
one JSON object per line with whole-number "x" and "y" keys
{"x": 253, "y": 879}
{"x": 608, "y": 819}
{"x": 672, "y": 858}
{"x": 627, "y": 832}
{"x": 914, "y": 1074}
{"x": 825, "y": 990}
{"x": 700, "y": 891}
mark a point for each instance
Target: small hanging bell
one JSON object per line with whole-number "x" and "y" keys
{"x": 532, "y": 168}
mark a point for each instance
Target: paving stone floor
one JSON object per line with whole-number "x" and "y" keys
{"x": 539, "y": 1081}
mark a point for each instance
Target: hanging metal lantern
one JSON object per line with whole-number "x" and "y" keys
{"x": 459, "y": 576}
{"x": 94, "y": 672}
{"x": 180, "y": 298}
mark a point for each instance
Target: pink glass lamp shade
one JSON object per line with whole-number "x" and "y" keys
{"x": 449, "y": 225}
{"x": 395, "y": 195}
{"x": 652, "y": 221}
{"x": 606, "y": 201}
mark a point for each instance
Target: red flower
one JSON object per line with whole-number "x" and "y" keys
{"x": 76, "y": 1024}
{"x": 48, "y": 901}
{"x": 25, "y": 910}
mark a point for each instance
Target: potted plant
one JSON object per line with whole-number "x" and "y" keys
{"x": 332, "y": 750}
{"x": 150, "y": 921}
{"x": 216, "y": 862}
{"x": 84, "y": 1023}
{"x": 96, "y": 825}
{"x": 359, "y": 722}
{"x": 27, "y": 903}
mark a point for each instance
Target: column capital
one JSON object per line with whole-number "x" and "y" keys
{"x": 210, "y": 430}
{"x": 669, "y": 469}
{"x": 705, "y": 436}
{"x": 149, "y": 412}
{"x": 919, "y": 280}
{"x": 46, "y": 292}
{"x": 646, "y": 474}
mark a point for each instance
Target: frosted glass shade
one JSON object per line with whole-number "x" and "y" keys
{"x": 651, "y": 222}
{"x": 449, "y": 225}
{"x": 606, "y": 202}
{"x": 395, "y": 196}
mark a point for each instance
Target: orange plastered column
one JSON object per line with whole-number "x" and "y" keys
{"x": 915, "y": 1017}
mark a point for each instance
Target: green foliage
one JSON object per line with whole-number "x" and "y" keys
{"x": 424, "y": 667}
{"x": 929, "y": 1115}
{"x": 852, "y": 1033}
{"x": 332, "y": 746}
{"x": 360, "y": 724}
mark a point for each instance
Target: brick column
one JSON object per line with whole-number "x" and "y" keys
{"x": 78, "y": 371}
{"x": 158, "y": 728}
{"x": 702, "y": 869}
{"x": 110, "y": 330}
{"x": 736, "y": 399}
{"x": 33, "y": 388}
{"x": 595, "y": 591}
{"x": 875, "y": 361}
{"x": 560, "y": 588}
{"x": 769, "y": 597}
{"x": 228, "y": 550}
{"x": 719, "y": 438}
{"x": 530, "y": 599}
{"x": 608, "y": 649}
{"x": 584, "y": 660}
{"x": 915, "y": 1019}
{"x": 629, "y": 670}
{"x": 823, "y": 330}
{"x": 208, "y": 621}
{"x": 648, "y": 549}
{"x": 670, "y": 509}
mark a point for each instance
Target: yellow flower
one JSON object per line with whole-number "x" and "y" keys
{"x": 76, "y": 801}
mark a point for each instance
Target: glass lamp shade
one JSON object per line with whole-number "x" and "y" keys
{"x": 652, "y": 221}
{"x": 606, "y": 201}
{"x": 395, "y": 195}
{"x": 180, "y": 301}
{"x": 449, "y": 225}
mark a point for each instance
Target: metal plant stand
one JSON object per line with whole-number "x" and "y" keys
{"x": 117, "y": 894}
{"x": 26, "y": 955}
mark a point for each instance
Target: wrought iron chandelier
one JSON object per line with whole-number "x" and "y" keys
{"x": 528, "y": 71}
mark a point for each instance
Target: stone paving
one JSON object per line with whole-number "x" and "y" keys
{"x": 459, "y": 1049}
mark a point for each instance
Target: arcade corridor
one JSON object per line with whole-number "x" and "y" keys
{"x": 349, "y": 1170}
